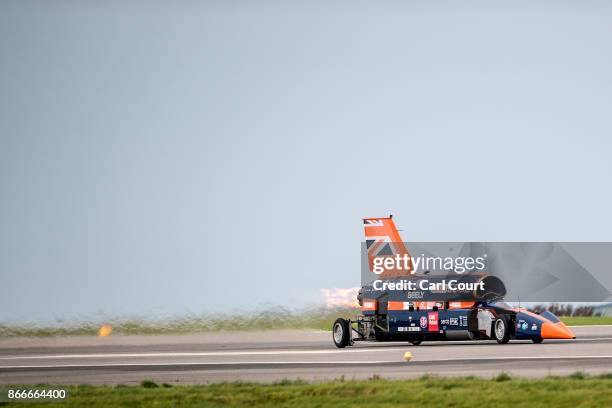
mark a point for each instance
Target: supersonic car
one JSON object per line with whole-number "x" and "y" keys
{"x": 414, "y": 323}
{"x": 387, "y": 316}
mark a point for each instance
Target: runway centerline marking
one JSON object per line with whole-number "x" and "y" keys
{"x": 201, "y": 354}
{"x": 280, "y": 363}
{"x": 260, "y": 352}
{"x": 110, "y": 365}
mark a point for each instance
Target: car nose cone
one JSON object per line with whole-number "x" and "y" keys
{"x": 556, "y": 331}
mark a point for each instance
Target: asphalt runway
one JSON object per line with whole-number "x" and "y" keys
{"x": 275, "y": 355}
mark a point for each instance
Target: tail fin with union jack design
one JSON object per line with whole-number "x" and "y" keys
{"x": 383, "y": 240}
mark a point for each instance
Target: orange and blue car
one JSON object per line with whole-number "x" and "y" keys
{"x": 389, "y": 316}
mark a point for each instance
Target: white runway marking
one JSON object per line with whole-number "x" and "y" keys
{"x": 258, "y": 353}
{"x": 203, "y": 353}
{"x": 196, "y": 364}
{"x": 267, "y": 352}
{"x": 331, "y": 363}
{"x": 510, "y": 358}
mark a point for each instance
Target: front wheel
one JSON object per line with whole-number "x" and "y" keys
{"x": 501, "y": 329}
{"x": 341, "y": 331}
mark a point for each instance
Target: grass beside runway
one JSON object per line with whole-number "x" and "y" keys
{"x": 577, "y": 390}
{"x": 586, "y": 320}
{"x": 276, "y": 318}
{"x": 273, "y": 319}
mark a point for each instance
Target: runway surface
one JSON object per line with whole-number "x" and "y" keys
{"x": 275, "y": 355}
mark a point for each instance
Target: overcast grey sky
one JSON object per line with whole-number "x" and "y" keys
{"x": 173, "y": 157}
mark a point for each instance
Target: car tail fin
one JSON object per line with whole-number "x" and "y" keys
{"x": 383, "y": 240}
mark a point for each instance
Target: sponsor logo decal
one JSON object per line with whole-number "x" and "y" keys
{"x": 432, "y": 321}
{"x": 534, "y": 327}
{"x": 423, "y": 321}
{"x": 368, "y": 305}
{"x": 408, "y": 329}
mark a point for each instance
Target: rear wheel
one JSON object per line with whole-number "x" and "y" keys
{"x": 537, "y": 340}
{"x": 341, "y": 331}
{"x": 501, "y": 329}
{"x": 416, "y": 342}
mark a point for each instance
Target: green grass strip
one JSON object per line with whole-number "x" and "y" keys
{"x": 577, "y": 390}
{"x": 586, "y": 320}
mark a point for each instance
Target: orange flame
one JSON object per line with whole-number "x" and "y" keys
{"x": 340, "y": 297}
{"x": 105, "y": 330}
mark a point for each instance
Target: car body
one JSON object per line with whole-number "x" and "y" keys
{"x": 434, "y": 321}
{"x": 390, "y": 315}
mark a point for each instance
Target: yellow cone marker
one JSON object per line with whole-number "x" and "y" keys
{"x": 407, "y": 356}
